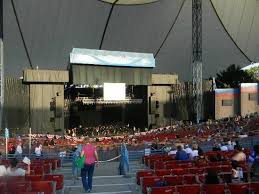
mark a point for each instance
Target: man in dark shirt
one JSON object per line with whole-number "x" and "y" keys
{"x": 181, "y": 154}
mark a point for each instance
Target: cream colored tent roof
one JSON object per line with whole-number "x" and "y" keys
{"x": 51, "y": 29}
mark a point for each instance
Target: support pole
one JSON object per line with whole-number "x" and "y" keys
{"x": 29, "y": 142}
{"x": 197, "y": 58}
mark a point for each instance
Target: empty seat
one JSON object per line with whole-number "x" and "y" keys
{"x": 254, "y": 187}
{"x": 238, "y": 188}
{"x": 143, "y": 174}
{"x": 163, "y": 190}
{"x": 42, "y": 186}
{"x": 18, "y": 186}
{"x": 162, "y": 172}
{"x": 33, "y": 177}
{"x": 187, "y": 189}
{"x": 189, "y": 179}
{"x": 58, "y": 178}
{"x": 215, "y": 189}
{"x": 173, "y": 180}
{"x": 179, "y": 171}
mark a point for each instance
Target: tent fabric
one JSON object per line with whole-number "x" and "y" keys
{"x": 41, "y": 116}
{"x": 51, "y": 29}
{"x": 45, "y": 76}
{"x": 97, "y": 75}
{"x": 16, "y": 108}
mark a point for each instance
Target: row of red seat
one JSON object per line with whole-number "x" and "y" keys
{"x": 181, "y": 171}
{"x": 237, "y": 188}
{"x": 46, "y": 187}
{"x": 57, "y": 178}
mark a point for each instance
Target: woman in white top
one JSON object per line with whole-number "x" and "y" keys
{"x": 2, "y": 169}
{"x": 38, "y": 150}
{"x": 13, "y": 170}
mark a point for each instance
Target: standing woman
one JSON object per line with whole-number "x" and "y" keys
{"x": 90, "y": 153}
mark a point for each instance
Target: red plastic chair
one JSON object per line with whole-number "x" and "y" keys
{"x": 149, "y": 182}
{"x": 186, "y": 189}
{"x": 38, "y": 170}
{"x": 173, "y": 180}
{"x": 189, "y": 179}
{"x": 42, "y": 186}
{"x": 163, "y": 190}
{"x": 162, "y": 172}
{"x": 254, "y": 187}
{"x": 196, "y": 170}
{"x": 46, "y": 168}
{"x": 143, "y": 174}
{"x": 178, "y": 171}
{"x": 58, "y": 178}
{"x": 238, "y": 188}
{"x": 215, "y": 189}
{"x": 33, "y": 177}
{"x": 18, "y": 186}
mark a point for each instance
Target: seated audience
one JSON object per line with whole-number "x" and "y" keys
{"x": 181, "y": 154}
{"x": 2, "y": 169}
{"x": 240, "y": 155}
{"x": 13, "y": 170}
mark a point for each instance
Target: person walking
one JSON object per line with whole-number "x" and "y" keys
{"x": 75, "y": 156}
{"x": 91, "y": 157}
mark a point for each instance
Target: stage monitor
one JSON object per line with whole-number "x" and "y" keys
{"x": 114, "y": 91}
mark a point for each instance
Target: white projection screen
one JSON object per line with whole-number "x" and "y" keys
{"x": 114, "y": 91}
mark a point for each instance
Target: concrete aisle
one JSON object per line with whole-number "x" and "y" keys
{"x": 106, "y": 179}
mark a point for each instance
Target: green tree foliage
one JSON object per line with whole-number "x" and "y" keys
{"x": 233, "y": 76}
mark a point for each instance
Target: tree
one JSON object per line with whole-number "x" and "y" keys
{"x": 233, "y": 76}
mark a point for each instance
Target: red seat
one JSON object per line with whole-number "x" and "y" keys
{"x": 238, "y": 188}
{"x": 173, "y": 180}
{"x": 254, "y": 187}
{"x": 143, "y": 174}
{"x": 33, "y": 177}
{"x": 149, "y": 182}
{"x": 186, "y": 189}
{"x": 58, "y": 163}
{"x": 178, "y": 171}
{"x": 163, "y": 190}
{"x": 29, "y": 192}
{"x": 15, "y": 187}
{"x": 189, "y": 179}
{"x": 38, "y": 170}
{"x": 42, "y": 186}
{"x": 196, "y": 170}
{"x": 2, "y": 187}
{"x": 58, "y": 178}
{"x": 47, "y": 168}
{"x": 159, "y": 165}
{"x": 215, "y": 189}
{"x": 162, "y": 172}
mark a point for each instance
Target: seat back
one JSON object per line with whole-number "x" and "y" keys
{"x": 18, "y": 186}
{"x": 58, "y": 178}
{"x": 143, "y": 174}
{"x": 42, "y": 186}
{"x": 215, "y": 189}
{"x": 173, "y": 180}
{"x": 238, "y": 188}
{"x": 163, "y": 190}
{"x": 254, "y": 187}
{"x": 149, "y": 182}
{"x": 33, "y": 177}
{"x": 186, "y": 189}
